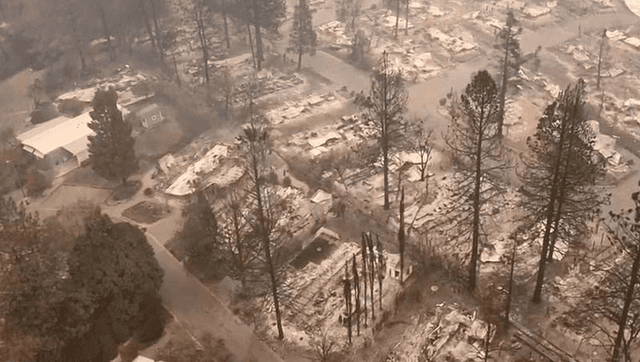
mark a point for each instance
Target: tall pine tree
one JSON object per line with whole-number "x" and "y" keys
{"x": 386, "y": 106}
{"x": 510, "y": 64}
{"x": 478, "y": 156}
{"x": 111, "y": 148}
{"x": 303, "y": 38}
{"x": 560, "y": 174}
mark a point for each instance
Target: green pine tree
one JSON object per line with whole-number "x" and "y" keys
{"x": 111, "y": 148}
{"x": 303, "y": 38}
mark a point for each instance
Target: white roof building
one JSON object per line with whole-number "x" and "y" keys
{"x": 71, "y": 134}
{"x": 62, "y": 132}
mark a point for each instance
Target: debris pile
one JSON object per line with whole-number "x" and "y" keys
{"x": 449, "y": 335}
{"x": 293, "y": 110}
{"x": 455, "y": 44}
{"x": 334, "y": 34}
{"x": 123, "y": 82}
{"x": 535, "y": 11}
{"x": 198, "y": 172}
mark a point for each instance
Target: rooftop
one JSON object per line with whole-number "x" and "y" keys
{"x": 59, "y": 132}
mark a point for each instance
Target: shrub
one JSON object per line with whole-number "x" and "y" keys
{"x": 148, "y": 192}
{"x": 154, "y": 320}
{"x": 126, "y": 191}
{"x": 271, "y": 177}
{"x": 443, "y": 101}
{"x": 45, "y": 112}
{"x": 286, "y": 181}
{"x": 37, "y": 182}
{"x": 71, "y": 107}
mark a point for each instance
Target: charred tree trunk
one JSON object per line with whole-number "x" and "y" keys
{"x": 556, "y": 220}
{"x": 267, "y": 247}
{"x": 253, "y": 54}
{"x": 107, "y": 34}
{"x": 83, "y": 61}
{"x": 364, "y": 274}
{"x": 615, "y": 356}
{"x": 551, "y": 206}
{"x": 203, "y": 43}
{"x": 152, "y": 39}
{"x": 604, "y": 35}
{"x": 356, "y": 286}
{"x": 486, "y": 343}
{"x": 510, "y": 286}
{"x": 158, "y": 32}
{"x": 476, "y": 211}
{"x": 256, "y": 26}
{"x": 406, "y": 23}
{"x": 503, "y": 88}
{"x": 175, "y": 67}
{"x": 347, "y": 299}
{"x": 401, "y": 238}
{"x": 226, "y": 26}
{"x": 397, "y": 18}
{"x": 372, "y": 271}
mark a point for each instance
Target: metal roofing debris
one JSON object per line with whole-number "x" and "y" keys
{"x": 323, "y": 231}
{"x": 83, "y": 95}
{"x": 322, "y": 139}
{"x": 615, "y": 35}
{"x": 187, "y": 182}
{"x": 633, "y": 41}
{"x": 321, "y": 196}
{"x": 534, "y": 10}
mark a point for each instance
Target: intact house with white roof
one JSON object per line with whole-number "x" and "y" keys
{"x": 63, "y": 142}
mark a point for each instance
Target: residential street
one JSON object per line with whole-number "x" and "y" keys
{"x": 194, "y": 306}
{"x": 186, "y": 297}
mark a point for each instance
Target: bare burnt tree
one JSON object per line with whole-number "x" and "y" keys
{"x": 356, "y": 287}
{"x": 372, "y": 273}
{"x": 395, "y": 34}
{"x": 323, "y": 347}
{"x": 256, "y": 145}
{"x": 381, "y": 271}
{"x": 401, "y": 238}
{"x": 478, "y": 158}
{"x": 348, "y": 11}
{"x": 200, "y": 16}
{"x": 601, "y": 54}
{"x": 386, "y": 104}
{"x": 234, "y": 229}
{"x": 424, "y": 147}
{"x": 613, "y": 307}
{"x": 364, "y": 274}
{"x": 302, "y": 38}
{"x": 347, "y": 300}
{"x": 510, "y": 63}
{"x": 559, "y": 175}
{"x": 406, "y": 23}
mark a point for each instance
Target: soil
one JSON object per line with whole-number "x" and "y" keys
{"x": 315, "y": 252}
{"x": 147, "y": 212}
{"x": 126, "y": 191}
{"x": 85, "y": 176}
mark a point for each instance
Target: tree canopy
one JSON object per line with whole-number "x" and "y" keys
{"x": 478, "y": 157}
{"x": 303, "y": 38}
{"x": 111, "y": 149}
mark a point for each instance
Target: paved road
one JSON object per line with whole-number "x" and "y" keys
{"x": 201, "y": 311}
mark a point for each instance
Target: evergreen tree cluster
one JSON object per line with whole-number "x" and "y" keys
{"x": 77, "y": 305}
{"x": 111, "y": 150}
